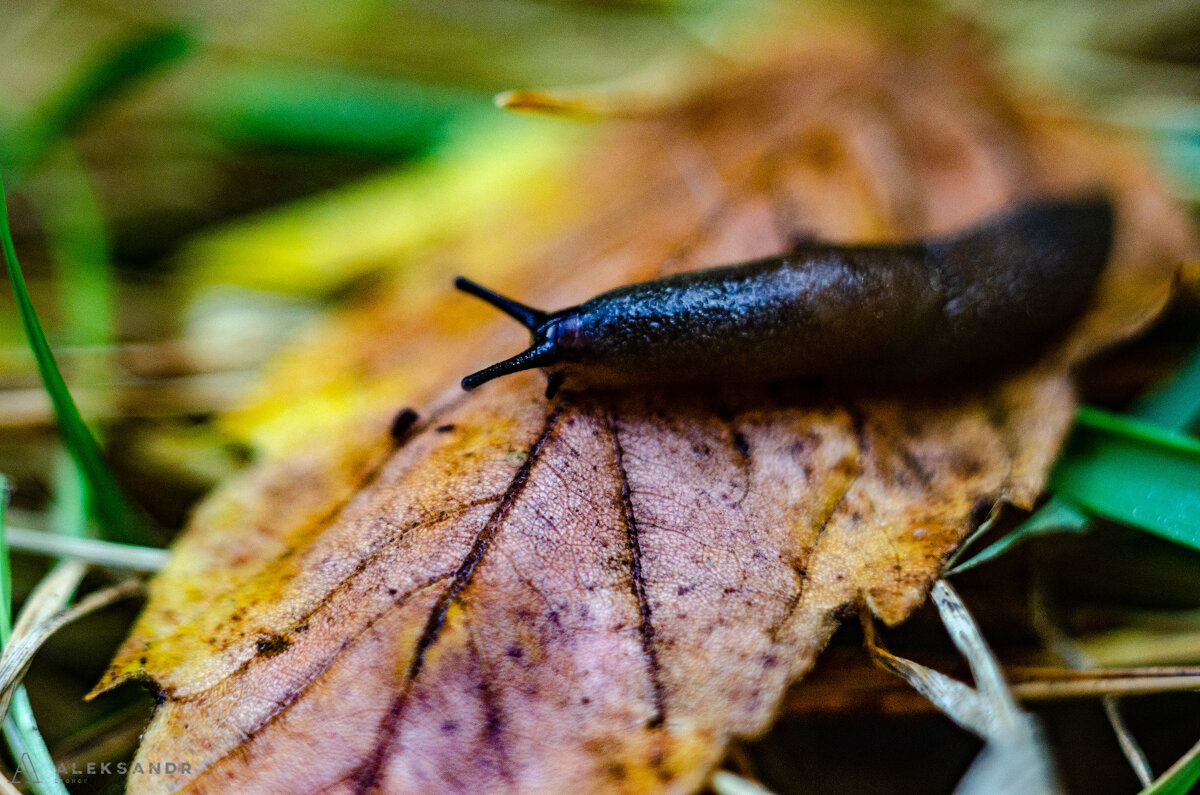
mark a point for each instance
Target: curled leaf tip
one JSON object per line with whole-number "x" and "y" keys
{"x": 552, "y": 104}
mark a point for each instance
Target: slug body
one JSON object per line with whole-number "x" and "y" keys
{"x": 879, "y": 313}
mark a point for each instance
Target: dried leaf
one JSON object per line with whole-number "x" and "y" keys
{"x": 601, "y": 591}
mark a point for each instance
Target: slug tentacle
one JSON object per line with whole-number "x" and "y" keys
{"x": 542, "y": 355}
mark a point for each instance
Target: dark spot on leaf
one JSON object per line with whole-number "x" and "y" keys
{"x": 449, "y": 727}
{"x": 445, "y": 428}
{"x": 515, "y": 652}
{"x": 740, "y": 443}
{"x": 402, "y": 422}
{"x": 275, "y": 644}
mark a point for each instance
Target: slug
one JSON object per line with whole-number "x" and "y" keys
{"x": 874, "y": 313}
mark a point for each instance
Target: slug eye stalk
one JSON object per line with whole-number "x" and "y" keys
{"x": 527, "y": 316}
{"x": 542, "y": 353}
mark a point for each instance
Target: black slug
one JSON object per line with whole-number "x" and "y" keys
{"x": 877, "y": 313}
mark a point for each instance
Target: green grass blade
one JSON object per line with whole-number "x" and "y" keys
{"x": 69, "y": 507}
{"x": 87, "y": 479}
{"x": 1181, "y": 778}
{"x": 1134, "y": 473}
{"x": 29, "y": 749}
{"x": 69, "y": 520}
{"x": 5, "y": 567}
{"x": 78, "y": 240}
{"x": 1172, "y": 407}
{"x": 305, "y": 107}
{"x": 1135, "y": 430}
{"x": 119, "y": 520}
{"x": 1176, "y": 404}
{"x": 1056, "y": 516}
{"x": 20, "y": 729}
{"x": 94, "y": 83}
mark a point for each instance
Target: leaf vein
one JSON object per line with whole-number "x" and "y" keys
{"x": 367, "y": 776}
{"x": 637, "y": 580}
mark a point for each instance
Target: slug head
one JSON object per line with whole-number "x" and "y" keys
{"x": 544, "y": 327}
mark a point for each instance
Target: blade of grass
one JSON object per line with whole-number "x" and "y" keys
{"x": 78, "y": 241}
{"x": 22, "y": 645}
{"x": 18, "y": 726}
{"x": 1136, "y": 430}
{"x": 1056, "y": 516}
{"x": 91, "y": 550}
{"x": 1134, "y": 473}
{"x": 52, "y": 593}
{"x": 1180, "y": 778}
{"x": 1173, "y": 406}
{"x": 301, "y": 106}
{"x": 1129, "y": 744}
{"x": 5, "y": 568}
{"x": 69, "y": 508}
{"x": 94, "y": 83}
{"x": 119, "y": 520}
{"x": 26, "y": 743}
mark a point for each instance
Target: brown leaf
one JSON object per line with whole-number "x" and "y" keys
{"x": 601, "y": 591}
